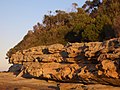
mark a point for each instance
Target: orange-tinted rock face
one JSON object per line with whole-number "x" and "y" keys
{"x": 77, "y": 62}
{"x": 110, "y": 69}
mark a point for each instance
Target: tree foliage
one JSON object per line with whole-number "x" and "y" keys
{"x": 96, "y": 21}
{"x": 116, "y": 26}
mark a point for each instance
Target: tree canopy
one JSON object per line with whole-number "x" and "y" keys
{"x": 97, "y": 20}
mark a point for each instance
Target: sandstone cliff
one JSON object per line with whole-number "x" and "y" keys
{"x": 93, "y": 62}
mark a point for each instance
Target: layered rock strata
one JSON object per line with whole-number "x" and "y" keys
{"x": 93, "y": 62}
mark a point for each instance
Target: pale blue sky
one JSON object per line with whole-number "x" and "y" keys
{"x": 19, "y": 16}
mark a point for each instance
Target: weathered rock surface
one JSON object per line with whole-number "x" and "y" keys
{"x": 93, "y": 62}
{"x": 8, "y": 81}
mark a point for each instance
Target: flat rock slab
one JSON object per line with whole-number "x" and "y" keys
{"x": 8, "y": 81}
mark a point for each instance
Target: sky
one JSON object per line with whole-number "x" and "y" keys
{"x": 19, "y": 16}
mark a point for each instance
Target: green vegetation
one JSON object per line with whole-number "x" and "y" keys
{"x": 96, "y": 21}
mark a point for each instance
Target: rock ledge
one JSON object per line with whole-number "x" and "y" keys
{"x": 93, "y": 62}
